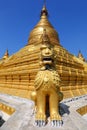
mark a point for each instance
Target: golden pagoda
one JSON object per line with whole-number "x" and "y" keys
{"x": 18, "y": 71}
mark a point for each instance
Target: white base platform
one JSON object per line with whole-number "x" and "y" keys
{"x": 23, "y": 118}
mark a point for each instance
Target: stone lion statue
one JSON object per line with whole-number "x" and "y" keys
{"x": 47, "y": 85}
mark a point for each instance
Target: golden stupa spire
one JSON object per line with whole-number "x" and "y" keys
{"x": 36, "y": 33}
{"x": 80, "y": 56}
{"x": 6, "y": 55}
{"x": 44, "y": 11}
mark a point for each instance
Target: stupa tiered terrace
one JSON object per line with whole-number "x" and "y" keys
{"x": 18, "y": 71}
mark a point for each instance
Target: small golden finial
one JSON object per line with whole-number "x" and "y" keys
{"x": 44, "y": 11}
{"x": 6, "y": 55}
{"x": 80, "y": 56}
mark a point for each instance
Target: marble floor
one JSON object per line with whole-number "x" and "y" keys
{"x": 85, "y": 116}
{"x": 24, "y": 118}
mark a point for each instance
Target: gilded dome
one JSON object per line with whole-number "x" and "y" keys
{"x": 37, "y": 32}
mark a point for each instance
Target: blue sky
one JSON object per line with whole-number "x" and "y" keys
{"x": 18, "y": 17}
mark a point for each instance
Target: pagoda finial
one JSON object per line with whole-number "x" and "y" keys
{"x": 44, "y": 11}
{"x": 6, "y": 55}
{"x": 80, "y": 56}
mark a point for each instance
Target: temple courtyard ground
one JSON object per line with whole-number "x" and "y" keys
{"x": 23, "y": 116}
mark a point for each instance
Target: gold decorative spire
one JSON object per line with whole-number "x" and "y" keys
{"x": 44, "y": 11}
{"x": 80, "y": 56}
{"x": 37, "y": 32}
{"x": 6, "y": 55}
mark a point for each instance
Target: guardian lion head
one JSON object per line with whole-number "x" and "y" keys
{"x": 47, "y": 52}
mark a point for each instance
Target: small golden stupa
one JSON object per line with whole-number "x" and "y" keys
{"x": 18, "y": 71}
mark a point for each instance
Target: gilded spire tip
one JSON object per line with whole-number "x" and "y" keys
{"x": 44, "y": 2}
{"x": 44, "y": 11}
{"x": 6, "y": 55}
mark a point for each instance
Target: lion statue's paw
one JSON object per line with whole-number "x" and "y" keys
{"x": 56, "y": 123}
{"x": 40, "y": 123}
{"x": 56, "y": 120}
{"x": 40, "y": 119}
